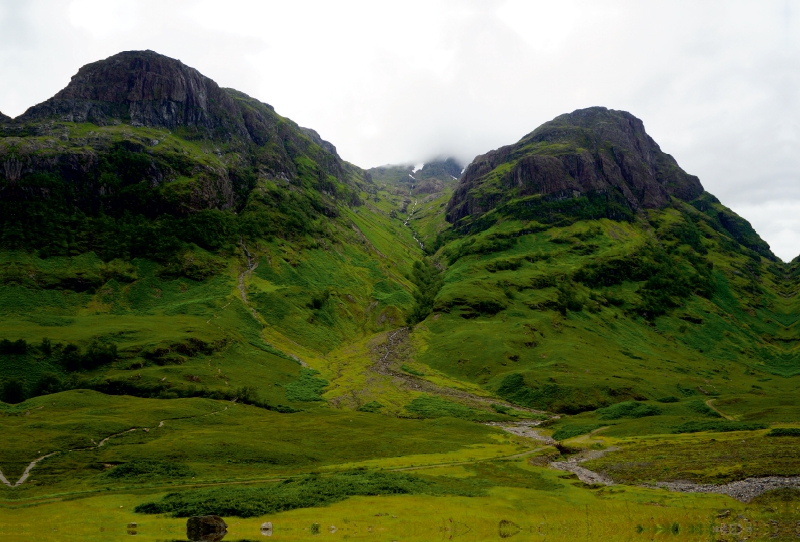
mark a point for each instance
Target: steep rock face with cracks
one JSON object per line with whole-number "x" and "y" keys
{"x": 142, "y": 134}
{"x": 597, "y": 153}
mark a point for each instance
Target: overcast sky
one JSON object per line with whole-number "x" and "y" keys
{"x": 716, "y": 83}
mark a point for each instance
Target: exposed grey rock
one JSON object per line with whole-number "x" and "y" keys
{"x": 741, "y": 490}
{"x": 594, "y": 150}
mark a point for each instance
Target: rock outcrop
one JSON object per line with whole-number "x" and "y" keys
{"x": 146, "y": 89}
{"x": 4, "y": 118}
{"x": 588, "y": 151}
{"x": 446, "y": 169}
{"x": 141, "y": 88}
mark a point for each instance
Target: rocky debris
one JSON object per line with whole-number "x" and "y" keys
{"x": 206, "y": 528}
{"x": 397, "y": 348}
{"x": 584, "y": 475}
{"x": 741, "y": 490}
{"x": 589, "y": 151}
{"x": 266, "y": 528}
{"x": 523, "y": 429}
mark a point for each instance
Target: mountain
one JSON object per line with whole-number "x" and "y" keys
{"x": 591, "y": 163}
{"x": 195, "y": 291}
{"x": 143, "y": 135}
{"x": 4, "y": 118}
{"x": 143, "y": 192}
{"x": 591, "y": 153}
{"x": 584, "y": 253}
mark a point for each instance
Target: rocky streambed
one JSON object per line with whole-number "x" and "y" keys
{"x": 741, "y": 490}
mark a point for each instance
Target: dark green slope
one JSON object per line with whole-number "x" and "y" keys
{"x": 585, "y": 268}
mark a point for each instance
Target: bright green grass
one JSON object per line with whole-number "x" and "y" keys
{"x": 214, "y": 440}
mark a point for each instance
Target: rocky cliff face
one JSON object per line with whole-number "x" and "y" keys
{"x": 4, "y": 118}
{"x": 141, "y": 88}
{"x": 595, "y": 151}
{"x": 143, "y": 135}
{"x": 440, "y": 169}
{"x": 146, "y": 89}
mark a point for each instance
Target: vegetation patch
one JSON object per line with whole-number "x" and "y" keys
{"x": 569, "y": 431}
{"x": 306, "y": 388}
{"x": 145, "y": 470}
{"x": 305, "y": 492}
{"x": 784, "y": 432}
{"x": 559, "y": 398}
{"x": 372, "y": 406}
{"x": 720, "y": 426}
{"x": 628, "y": 409}
{"x": 429, "y": 406}
{"x": 699, "y": 407}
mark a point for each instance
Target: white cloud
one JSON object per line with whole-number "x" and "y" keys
{"x": 104, "y": 18}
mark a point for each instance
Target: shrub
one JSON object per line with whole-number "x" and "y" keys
{"x": 305, "y": 492}
{"x": 13, "y": 391}
{"x": 18, "y": 347}
{"x": 428, "y": 280}
{"x": 48, "y": 383}
{"x": 569, "y": 431}
{"x": 306, "y": 388}
{"x": 372, "y": 406}
{"x": 628, "y": 409}
{"x": 784, "y": 432}
{"x": 429, "y": 406}
{"x": 703, "y": 409}
{"x": 720, "y": 426}
{"x": 145, "y": 469}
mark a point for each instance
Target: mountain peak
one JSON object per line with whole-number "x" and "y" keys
{"x": 140, "y": 88}
{"x": 593, "y": 152}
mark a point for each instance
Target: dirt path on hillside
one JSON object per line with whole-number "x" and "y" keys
{"x": 523, "y": 429}
{"x": 397, "y": 348}
{"x": 710, "y": 404}
{"x": 27, "y": 472}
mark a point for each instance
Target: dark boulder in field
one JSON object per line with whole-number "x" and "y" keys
{"x": 206, "y": 528}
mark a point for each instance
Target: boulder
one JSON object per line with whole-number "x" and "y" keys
{"x": 206, "y": 528}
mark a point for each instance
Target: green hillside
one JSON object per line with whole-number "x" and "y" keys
{"x": 196, "y": 292}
